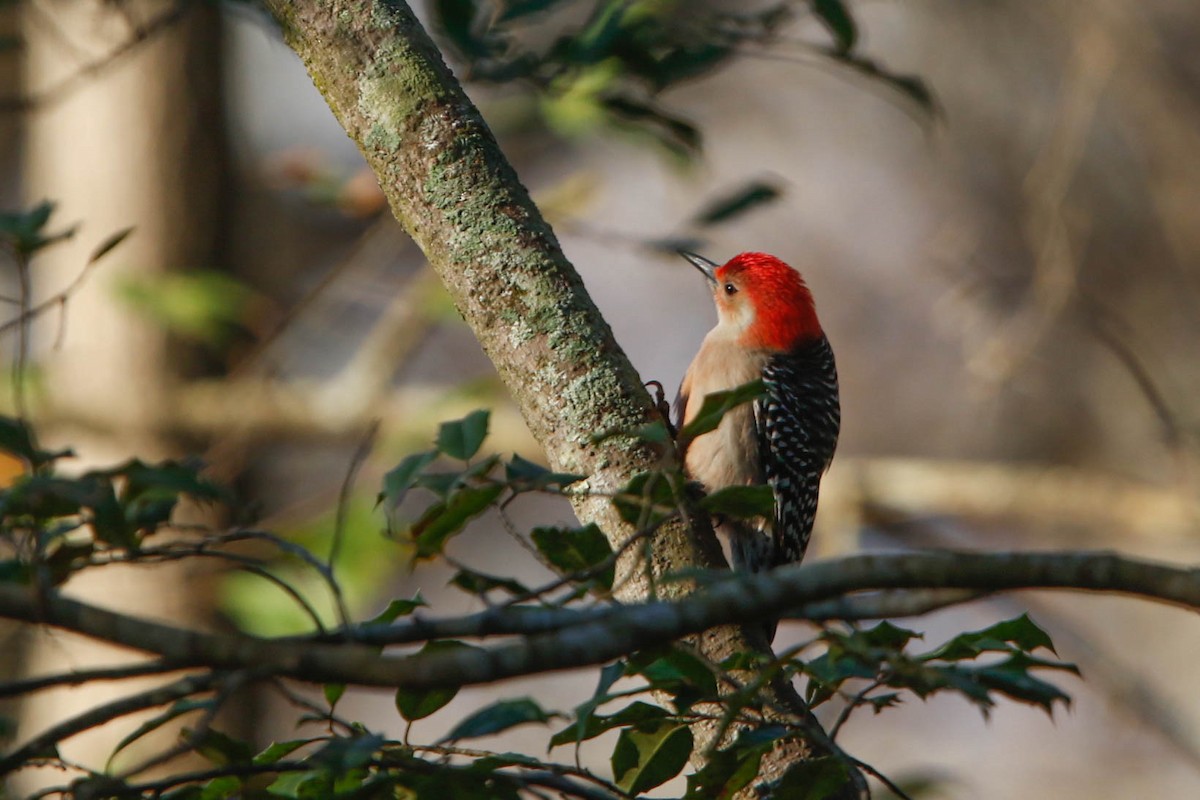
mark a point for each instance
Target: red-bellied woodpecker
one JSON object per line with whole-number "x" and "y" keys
{"x": 766, "y": 329}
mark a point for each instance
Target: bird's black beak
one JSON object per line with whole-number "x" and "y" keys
{"x": 701, "y": 263}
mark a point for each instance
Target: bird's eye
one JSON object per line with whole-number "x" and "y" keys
{"x": 730, "y": 289}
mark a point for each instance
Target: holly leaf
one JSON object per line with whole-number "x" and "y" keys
{"x": 462, "y": 438}
{"x": 647, "y": 758}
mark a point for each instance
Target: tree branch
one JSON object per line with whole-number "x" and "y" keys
{"x": 616, "y": 630}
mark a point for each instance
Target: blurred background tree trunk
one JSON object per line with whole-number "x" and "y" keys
{"x": 139, "y": 144}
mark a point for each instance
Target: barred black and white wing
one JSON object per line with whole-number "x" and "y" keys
{"x": 798, "y": 420}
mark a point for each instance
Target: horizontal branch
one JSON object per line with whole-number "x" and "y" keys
{"x": 603, "y": 635}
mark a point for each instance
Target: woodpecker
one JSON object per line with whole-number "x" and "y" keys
{"x": 766, "y": 329}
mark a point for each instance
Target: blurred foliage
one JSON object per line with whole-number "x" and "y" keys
{"x": 202, "y": 306}
{"x": 608, "y": 62}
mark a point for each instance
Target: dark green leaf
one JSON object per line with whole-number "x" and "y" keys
{"x": 479, "y": 583}
{"x": 23, "y": 229}
{"x": 725, "y": 208}
{"x": 585, "y": 712}
{"x": 727, "y": 771}
{"x": 679, "y": 136}
{"x": 402, "y": 478}
{"x": 643, "y": 759}
{"x": 1021, "y": 633}
{"x": 526, "y": 474}
{"x": 333, "y": 693}
{"x": 741, "y": 502}
{"x": 414, "y": 705}
{"x": 345, "y": 753}
{"x": 679, "y": 673}
{"x": 277, "y": 750}
{"x": 17, "y": 438}
{"x": 499, "y": 716}
{"x": 219, "y": 748}
{"x": 911, "y": 87}
{"x": 717, "y": 405}
{"x": 574, "y": 550}
{"x": 444, "y": 519}
{"x": 396, "y": 609}
{"x": 177, "y": 709}
{"x": 109, "y": 244}
{"x": 834, "y": 15}
{"x": 883, "y": 635}
{"x": 590, "y": 725}
{"x": 646, "y": 499}
{"x": 457, "y": 21}
{"x": 462, "y": 438}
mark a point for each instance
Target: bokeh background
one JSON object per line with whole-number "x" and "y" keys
{"x": 1010, "y": 277}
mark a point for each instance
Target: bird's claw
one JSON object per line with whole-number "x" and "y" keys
{"x": 660, "y": 402}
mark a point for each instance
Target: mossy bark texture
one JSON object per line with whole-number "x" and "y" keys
{"x": 460, "y": 200}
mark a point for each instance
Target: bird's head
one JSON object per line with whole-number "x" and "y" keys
{"x": 764, "y": 302}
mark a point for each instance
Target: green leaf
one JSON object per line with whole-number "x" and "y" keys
{"x": 219, "y": 748}
{"x": 727, "y": 771}
{"x": 525, "y": 474}
{"x": 646, "y": 499}
{"x": 399, "y": 480}
{"x": 277, "y": 750}
{"x": 456, "y": 20}
{"x": 590, "y": 725}
{"x": 585, "y": 712}
{"x": 675, "y": 666}
{"x": 1021, "y": 633}
{"x": 679, "y": 136}
{"x": 444, "y": 519}
{"x": 717, "y": 405}
{"x": 741, "y": 502}
{"x": 17, "y": 438}
{"x": 910, "y": 86}
{"x": 835, "y": 16}
{"x": 816, "y": 779}
{"x": 462, "y": 438}
{"x": 499, "y": 716}
{"x": 414, "y": 705}
{"x": 177, "y": 709}
{"x": 23, "y": 229}
{"x": 574, "y": 550}
{"x": 725, "y": 208}
{"x": 396, "y": 609}
{"x": 109, "y": 244}
{"x": 479, "y": 583}
{"x": 333, "y": 693}
{"x": 345, "y": 753}
{"x": 647, "y": 758}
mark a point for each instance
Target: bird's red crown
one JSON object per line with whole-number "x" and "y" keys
{"x": 785, "y": 315}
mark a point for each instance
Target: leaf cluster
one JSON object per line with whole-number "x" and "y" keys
{"x": 610, "y": 61}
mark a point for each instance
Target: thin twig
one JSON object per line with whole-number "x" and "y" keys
{"x": 59, "y": 91}
{"x": 99, "y": 715}
{"x": 30, "y": 685}
{"x": 361, "y": 453}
